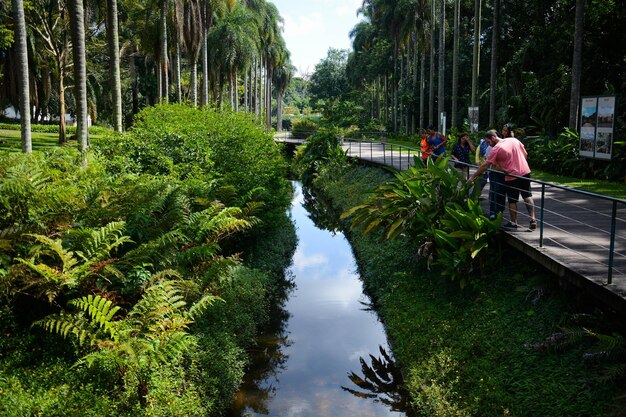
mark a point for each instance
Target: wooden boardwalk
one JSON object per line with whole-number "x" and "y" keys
{"x": 573, "y": 241}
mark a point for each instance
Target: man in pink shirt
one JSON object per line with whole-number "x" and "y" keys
{"x": 509, "y": 155}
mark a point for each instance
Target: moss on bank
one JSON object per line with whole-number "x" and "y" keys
{"x": 467, "y": 352}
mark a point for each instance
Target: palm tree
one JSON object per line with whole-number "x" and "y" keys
{"x": 476, "y": 60}
{"x": 114, "y": 53}
{"x": 431, "y": 74}
{"x": 576, "y": 64}
{"x": 442, "y": 56}
{"x": 80, "y": 76}
{"x": 455, "y": 63}
{"x": 23, "y": 74}
{"x": 164, "y": 64}
{"x": 189, "y": 21}
{"x": 494, "y": 62}
{"x": 282, "y": 77}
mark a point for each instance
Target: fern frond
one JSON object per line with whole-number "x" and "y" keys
{"x": 66, "y": 325}
{"x": 100, "y": 310}
{"x": 200, "y": 306}
{"x": 55, "y": 246}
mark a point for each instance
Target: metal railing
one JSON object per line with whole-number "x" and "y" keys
{"x": 585, "y": 230}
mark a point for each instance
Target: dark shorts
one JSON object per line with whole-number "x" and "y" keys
{"x": 516, "y": 187}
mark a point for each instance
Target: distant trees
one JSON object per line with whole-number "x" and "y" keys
{"x": 240, "y": 44}
{"x": 539, "y": 65}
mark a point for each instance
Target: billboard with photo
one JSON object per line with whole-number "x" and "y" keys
{"x": 596, "y": 126}
{"x": 604, "y": 131}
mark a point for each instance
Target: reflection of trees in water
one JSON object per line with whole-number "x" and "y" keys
{"x": 321, "y": 212}
{"x": 381, "y": 381}
{"x": 267, "y": 359}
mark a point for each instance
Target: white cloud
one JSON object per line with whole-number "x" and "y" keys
{"x": 302, "y": 260}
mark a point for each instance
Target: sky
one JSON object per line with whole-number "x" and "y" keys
{"x": 313, "y": 26}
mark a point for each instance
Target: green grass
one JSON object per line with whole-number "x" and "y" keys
{"x": 466, "y": 352}
{"x": 613, "y": 189}
{"x": 10, "y": 140}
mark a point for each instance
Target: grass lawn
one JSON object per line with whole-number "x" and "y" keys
{"x": 10, "y": 140}
{"x": 613, "y": 189}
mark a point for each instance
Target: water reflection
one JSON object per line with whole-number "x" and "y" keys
{"x": 381, "y": 381}
{"x": 328, "y": 332}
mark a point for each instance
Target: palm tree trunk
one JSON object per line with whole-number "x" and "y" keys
{"x": 179, "y": 84}
{"x": 61, "y": 92}
{"x": 394, "y": 86}
{"x": 415, "y": 61}
{"x": 431, "y": 75}
{"x": 455, "y": 64}
{"x": 442, "y": 62}
{"x": 476, "y": 60}
{"x": 80, "y": 78}
{"x": 204, "y": 93}
{"x": 114, "y": 52}
{"x": 577, "y": 64}
{"x": 194, "y": 82}
{"x": 279, "y": 111}
{"x": 494, "y": 63}
{"x": 23, "y": 73}
{"x": 164, "y": 63}
{"x": 422, "y": 89}
{"x": 245, "y": 90}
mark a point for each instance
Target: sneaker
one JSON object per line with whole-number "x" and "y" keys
{"x": 533, "y": 224}
{"x": 510, "y": 225}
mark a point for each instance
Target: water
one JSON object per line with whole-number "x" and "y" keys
{"x": 330, "y": 333}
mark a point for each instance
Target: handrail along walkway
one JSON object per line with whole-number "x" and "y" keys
{"x": 581, "y": 227}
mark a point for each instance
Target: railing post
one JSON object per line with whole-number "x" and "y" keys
{"x": 400, "y": 158}
{"x": 609, "y": 280}
{"x": 541, "y": 211}
{"x": 384, "y": 152}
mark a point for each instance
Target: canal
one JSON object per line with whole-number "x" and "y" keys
{"x": 328, "y": 357}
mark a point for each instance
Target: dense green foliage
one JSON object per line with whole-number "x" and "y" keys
{"x": 476, "y": 352}
{"x": 438, "y": 208}
{"x": 140, "y": 266}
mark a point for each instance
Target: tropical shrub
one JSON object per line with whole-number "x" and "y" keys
{"x": 303, "y": 128}
{"x": 437, "y": 207}
{"x": 223, "y": 147}
{"x": 322, "y": 149}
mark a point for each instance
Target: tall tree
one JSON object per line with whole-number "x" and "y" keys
{"x": 23, "y": 74}
{"x": 163, "y": 53}
{"x": 50, "y": 22}
{"x": 493, "y": 84}
{"x": 576, "y": 64}
{"x": 80, "y": 76}
{"x": 476, "y": 58}
{"x": 455, "y": 64}
{"x": 442, "y": 60}
{"x": 114, "y": 57}
{"x": 431, "y": 74}
{"x": 190, "y": 26}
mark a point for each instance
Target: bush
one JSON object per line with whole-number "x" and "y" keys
{"x": 225, "y": 147}
{"x": 303, "y": 128}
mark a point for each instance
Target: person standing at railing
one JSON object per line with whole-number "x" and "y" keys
{"x": 425, "y": 149}
{"x": 510, "y": 155}
{"x": 461, "y": 153}
{"x": 437, "y": 142}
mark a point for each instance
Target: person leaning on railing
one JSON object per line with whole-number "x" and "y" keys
{"x": 510, "y": 155}
{"x": 461, "y": 153}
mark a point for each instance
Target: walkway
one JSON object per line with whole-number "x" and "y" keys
{"x": 574, "y": 240}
